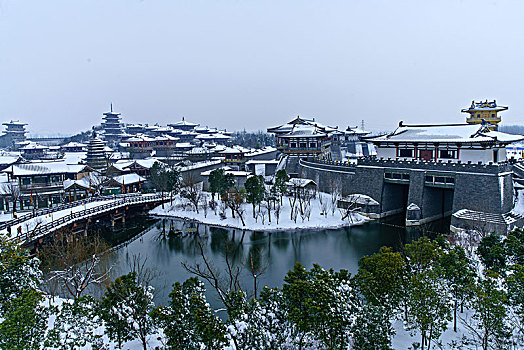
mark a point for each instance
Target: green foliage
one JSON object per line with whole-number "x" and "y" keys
{"x": 490, "y": 311}
{"x": 125, "y": 308}
{"x": 220, "y": 182}
{"x": 255, "y": 190}
{"x": 75, "y": 325}
{"x": 164, "y": 178}
{"x": 188, "y": 321}
{"x": 380, "y": 278}
{"x": 373, "y": 330}
{"x": 491, "y": 252}
{"x": 428, "y": 306}
{"x": 18, "y": 271}
{"x": 281, "y": 179}
{"x": 322, "y": 303}
{"x": 25, "y": 322}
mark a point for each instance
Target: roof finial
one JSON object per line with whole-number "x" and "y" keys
{"x": 111, "y": 107}
{"x": 183, "y": 118}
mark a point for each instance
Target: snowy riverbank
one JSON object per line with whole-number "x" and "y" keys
{"x": 322, "y": 215}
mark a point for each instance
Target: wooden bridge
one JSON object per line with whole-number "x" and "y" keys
{"x": 114, "y": 207}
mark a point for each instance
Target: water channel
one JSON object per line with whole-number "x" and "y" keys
{"x": 148, "y": 238}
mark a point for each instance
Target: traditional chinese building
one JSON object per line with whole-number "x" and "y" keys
{"x": 445, "y": 142}
{"x": 13, "y": 134}
{"x": 112, "y": 126}
{"x": 484, "y": 112}
{"x": 184, "y": 125}
{"x": 305, "y": 138}
{"x": 96, "y": 154}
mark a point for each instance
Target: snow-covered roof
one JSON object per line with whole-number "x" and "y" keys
{"x": 484, "y": 106}
{"x": 262, "y": 162}
{"x": 184, "y": 145}
{"x": 45, "y": 168}
{"x": 142, "y": 163}
{"x": 33, "y": 146}
{"x": 453, "y": 133}
{"x": 355, "y": 131}
{"x": 299, "y": 182}
{"x": 74, "y": 144}
{"x": 83, "y": 182}
{"x": 361, "y": 199}
{"x": 227, "y": 170}
{"x": 128, "y": 179}
{"x": 183, "y": 122}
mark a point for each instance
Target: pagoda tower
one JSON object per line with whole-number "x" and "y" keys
{"x": 14, "y": 133}
{"x": 96, "y": 157}
{"x": 484, "y": 111}
{"x": 112, "y": 126}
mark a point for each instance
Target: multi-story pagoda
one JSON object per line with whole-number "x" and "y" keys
{"x": 112, "y": 126}
{"x": 96, "y": 155}
{"x": 13, "y": 134}
{"x": 484, "y": 112}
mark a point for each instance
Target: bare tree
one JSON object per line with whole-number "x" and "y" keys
{"x": 234, "y": 199}
{"x": 323, "y": 202}
{"x": 335, "y": 195}
{"x": 277, "y": 209}
{"x": 12, "y": 190}
{"x": 192, "y": 190}
{"x": 348, "y": 207}
{"x": 76, "y": 262}
{"x": 96, "y": 181}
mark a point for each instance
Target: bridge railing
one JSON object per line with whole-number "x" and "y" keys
{"x": 50, "y": 226}
{"x": 45, "y": 211}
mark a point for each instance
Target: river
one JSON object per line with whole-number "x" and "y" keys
{"x": 147, "y": 238}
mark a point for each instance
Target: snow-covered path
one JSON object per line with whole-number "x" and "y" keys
{"x": 27, "y": 226}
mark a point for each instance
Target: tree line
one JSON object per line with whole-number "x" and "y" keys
{"x": 428, "y": 285}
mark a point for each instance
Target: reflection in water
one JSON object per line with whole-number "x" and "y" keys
{"x": 278, "y": 251}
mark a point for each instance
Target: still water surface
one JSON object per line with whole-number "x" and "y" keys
{"x": 277, "y": 251}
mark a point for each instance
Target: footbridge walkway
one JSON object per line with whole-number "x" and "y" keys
{"x": 35, "y": 226}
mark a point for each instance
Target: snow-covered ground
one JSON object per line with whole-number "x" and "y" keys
{"x": 180, "y": 208}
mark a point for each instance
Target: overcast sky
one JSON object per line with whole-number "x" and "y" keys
{"x": 255, "y": 64}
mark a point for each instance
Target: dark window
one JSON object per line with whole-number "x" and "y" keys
{"x": 293, "y": 145}
{"x": 440, "y": 179}
{"x": 405, "y": 176}
{"x": 450, "y": 180}
{"x": 493, "y": 115}
{"x": 405, "y": 153}
{"x": 388, "y": 175}
{"x": 397, "y": 176}
{"x": 447, "y": 154}
{"x": 429, "y": 178}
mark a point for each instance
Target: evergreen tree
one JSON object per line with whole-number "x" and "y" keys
{"x": 125, "y": 308}
{"x": 255, "y": 190}
{"x": 492, "y": 253}
{"x": 380, "y": 278}
{"x": 18, "y": 271}
{"x": 459, "y": 273}
{"x": 428, "y": 306}
{"x": 216, "y": 181}
{"x": 373, "y": 330}
{"x": 25, "y": 322}
{"x": 489, "y": 303}
{"x": 321, "y": 304}
{"x": 280, "y": 184}
{"x": 75, "y": 325}
{"x": 188, "y": 322}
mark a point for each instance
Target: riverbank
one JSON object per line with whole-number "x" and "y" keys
{"x": 317, "y": 214}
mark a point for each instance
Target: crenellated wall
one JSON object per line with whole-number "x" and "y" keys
{"x": 478, "y": 187}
